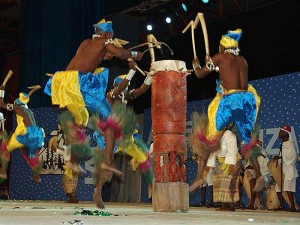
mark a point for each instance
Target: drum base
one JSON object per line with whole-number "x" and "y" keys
{"x": 170, "y": 197}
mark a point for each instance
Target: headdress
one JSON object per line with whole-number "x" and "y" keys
{"x": 24, "y": 98}
{"x": 104, "y": 26}
{"x": 286, "y": 128}
{"x": 118, "y": 79}
{"x": 231, "y": 39}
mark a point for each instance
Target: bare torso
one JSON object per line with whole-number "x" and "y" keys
{"x": 89, "y": 55}
{"x": 233, "y": 71}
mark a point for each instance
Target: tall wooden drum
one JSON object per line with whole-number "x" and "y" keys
{"x": 168, "y": 108}
{"x": 272, "y": 199}
{"x": 246, "y": 185}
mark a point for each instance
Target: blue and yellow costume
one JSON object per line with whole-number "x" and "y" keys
{"x": 236, "y": 106}
{"x": 233, "y": 106}
{"x": 80, "y": 93}
{"x": 32, "y": 137}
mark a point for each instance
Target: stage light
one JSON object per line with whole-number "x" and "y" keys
{"x": 205, "y": 1}
{"x": 168, "y": 19}
{"x": 149, "y": 27}
{"x": 184, "y": 7}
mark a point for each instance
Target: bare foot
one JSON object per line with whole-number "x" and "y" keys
{"x": 225, "y": 209}
{"x": 110, "y": 168}
{"x": 98, "y": 200}
{"x": 196, "y": 184}
{"x": 259, "y": 184}
{"x": 250, "y": 207}
{"x": 72, "y": 198}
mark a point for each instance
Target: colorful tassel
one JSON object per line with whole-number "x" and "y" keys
{"x": 200, "y": 144}
{"x": 122, "y": 119}
{"x": 247, "y": 149}
{"x": 111, "y": 122}
{"x": 75, "y": 135}
{"x": 4, "y": 153}
{"x": 145, "y": 165}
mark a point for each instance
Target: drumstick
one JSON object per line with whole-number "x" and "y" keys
{"x": 150, "y": 46}
{"x": 156, "y": 43}
{"x": 9, "y": 74}
{"x": 138, "y": 68}
{"x": 191, "y": 24}
{"x": 141, "y": 71}
{"x": 200, "y": 17}
{"x": 33, "y": 89}
{"x": 119, "y": 42}
{"x": 140, "y": 45}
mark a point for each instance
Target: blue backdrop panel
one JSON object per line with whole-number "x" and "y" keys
{"x": 280, "y": 105}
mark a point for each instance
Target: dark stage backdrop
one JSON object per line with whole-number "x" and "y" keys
{"x": 51, "y": 33}
{"x": 270, "y": 43}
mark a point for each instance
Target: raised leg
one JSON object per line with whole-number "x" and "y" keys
{"x": 110, "y": 137}
{"x": 252, "y": 195}
{"x": 199, "y": 181}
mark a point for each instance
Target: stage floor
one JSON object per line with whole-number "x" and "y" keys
{"x": 55, "y": 212}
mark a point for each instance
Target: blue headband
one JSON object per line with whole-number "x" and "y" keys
{"x": 235, "y": 34}
{"x": 117, "y": 80}
{"x": 104, "y": 26}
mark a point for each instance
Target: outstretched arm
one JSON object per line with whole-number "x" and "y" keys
{"x": 139, "y": 91}
{"x": 211, "y": 65}
{"x": 122, "y": 53}
{"x": 199, "y": 71}
{"x": 11, "y": 107}
{"x": 134, "y": 93}
{"x": 125, "y": 82}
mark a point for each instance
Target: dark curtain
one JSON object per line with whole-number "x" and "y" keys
{"x": 127, "y": 189}
{"x": 51, "y": 32}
